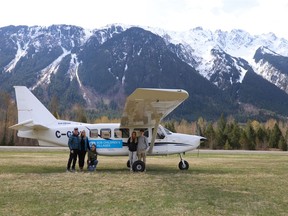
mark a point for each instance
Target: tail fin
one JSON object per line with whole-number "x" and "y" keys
{"x": 31, "y": 112}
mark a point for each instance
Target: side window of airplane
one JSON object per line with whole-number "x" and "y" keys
{"x": 94, "y": 133}
{"x": 105, "y": 133}
{"x": 121, "y": 133}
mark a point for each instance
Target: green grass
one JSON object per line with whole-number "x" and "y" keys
{"x": 35, "y": 183}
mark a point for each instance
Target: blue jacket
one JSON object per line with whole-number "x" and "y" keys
{"x": 74, "y": 142}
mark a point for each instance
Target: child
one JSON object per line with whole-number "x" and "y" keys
{"x": 92, "y": 158}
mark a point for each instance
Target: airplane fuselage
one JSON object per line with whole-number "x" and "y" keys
{"x": 111, "y": 140}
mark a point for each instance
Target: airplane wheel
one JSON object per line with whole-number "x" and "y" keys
{"x": 138, "y": 166}
{"x": 128, "y": 163}
{"x": 183, "y": 166}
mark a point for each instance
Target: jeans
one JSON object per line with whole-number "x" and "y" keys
{"x": 132, "y": 158}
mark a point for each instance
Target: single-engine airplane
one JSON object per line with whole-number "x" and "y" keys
{"x": 144, "y": 109}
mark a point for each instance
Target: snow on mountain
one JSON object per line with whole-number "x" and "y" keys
{"x": 21, "y": 52}
{"x": 45, "y": 74}
{"x": 36, "y": 36}
{"x": 272, "y": 66}
{"x": 266, "y": 70}
{"x": 237, "y": 44}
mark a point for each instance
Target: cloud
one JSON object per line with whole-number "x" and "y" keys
{"x": 238, "y": 6}
{"x": 254, "y": 16}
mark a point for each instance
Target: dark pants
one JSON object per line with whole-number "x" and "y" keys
{"x": 81, "y": 155}
{"x": 72, "y": 159}
{"x": 92, "y": 165}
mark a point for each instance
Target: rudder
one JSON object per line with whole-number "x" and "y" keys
{"x": 30, "y": 108}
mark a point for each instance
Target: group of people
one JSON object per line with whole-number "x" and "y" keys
{"x": 137, "y": 148}
{"x": 78, "y": 146}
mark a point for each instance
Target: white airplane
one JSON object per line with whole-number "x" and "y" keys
{"x": 144, "y": 109}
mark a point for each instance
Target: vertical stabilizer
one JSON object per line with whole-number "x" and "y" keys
{"x": 30, "y": 108}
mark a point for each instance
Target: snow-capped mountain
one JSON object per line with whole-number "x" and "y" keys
{"x": 272, "y": 66}
{"x": 237, "y": 44}
{"x": 100, "y": 67}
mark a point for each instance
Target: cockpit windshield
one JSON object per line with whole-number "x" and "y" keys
{"x": 168, "y": 132}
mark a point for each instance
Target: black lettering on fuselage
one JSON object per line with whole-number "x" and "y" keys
{"x": 68, "y": 133}
{"x": 58, "y": 134}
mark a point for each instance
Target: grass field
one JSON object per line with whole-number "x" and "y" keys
{"x": 35, "y": 183}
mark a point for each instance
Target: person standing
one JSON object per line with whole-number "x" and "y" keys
{"x": 142, "y": 146}
{"x": 132, "y": 146}
{"x": 73, "y": 144}
{"x": 83, "y": 147}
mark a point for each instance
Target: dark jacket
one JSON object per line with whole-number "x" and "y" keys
{"x": 84, "y": 144}
{"x": 74, "y": 142}
{"x": 92, "y": 155}
{"x": 132, "y": 144}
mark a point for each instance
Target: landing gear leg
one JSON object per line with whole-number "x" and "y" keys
{"x": 183, "y": 164}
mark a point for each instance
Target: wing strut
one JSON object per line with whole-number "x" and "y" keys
{"x": 154, "y": 136}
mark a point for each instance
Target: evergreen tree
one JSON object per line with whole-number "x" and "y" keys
{"x": 220, "y": 133}
{"x": 227, "y": 146}
{"x": 211, "y": 137}
{"x": 261, "y": 137}
{"x": 286, "y": 139}
{"x": 244, "y": 142}
{"x": 275, "y": 137}
{"x": 235, "y": 136}
{"x": 251, "y": 136}
{"x": 11, "y": 142}
{"x": 282, "y": 144}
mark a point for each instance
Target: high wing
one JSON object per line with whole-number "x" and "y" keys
{"x": 147, "y": 107}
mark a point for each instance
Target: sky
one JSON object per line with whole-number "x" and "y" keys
{"x": 253, "y": 16}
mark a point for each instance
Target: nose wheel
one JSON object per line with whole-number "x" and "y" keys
{"x": 183, "y": 164}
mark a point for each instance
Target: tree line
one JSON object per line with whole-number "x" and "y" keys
{"x": 224, "y": 133}
{"x": 227, "y": 133}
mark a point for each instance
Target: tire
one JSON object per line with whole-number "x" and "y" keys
{"x": 138, "y": 166}
{"x": 128, "y": 163}
{"x": 184, "y": 166}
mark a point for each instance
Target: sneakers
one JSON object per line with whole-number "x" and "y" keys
{"x": 68, "y": 170}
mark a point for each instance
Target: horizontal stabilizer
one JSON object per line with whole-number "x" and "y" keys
{"x": 28, "y": 125}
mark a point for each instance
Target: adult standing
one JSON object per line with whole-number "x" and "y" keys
{"x": 83, "y": 147}
{"x": 142, "y": 146}
{"x": 73, "y": 144}
{"x": 132, "y": 146}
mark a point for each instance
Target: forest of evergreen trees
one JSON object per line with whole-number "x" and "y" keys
{"x": 225, "y": 133}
